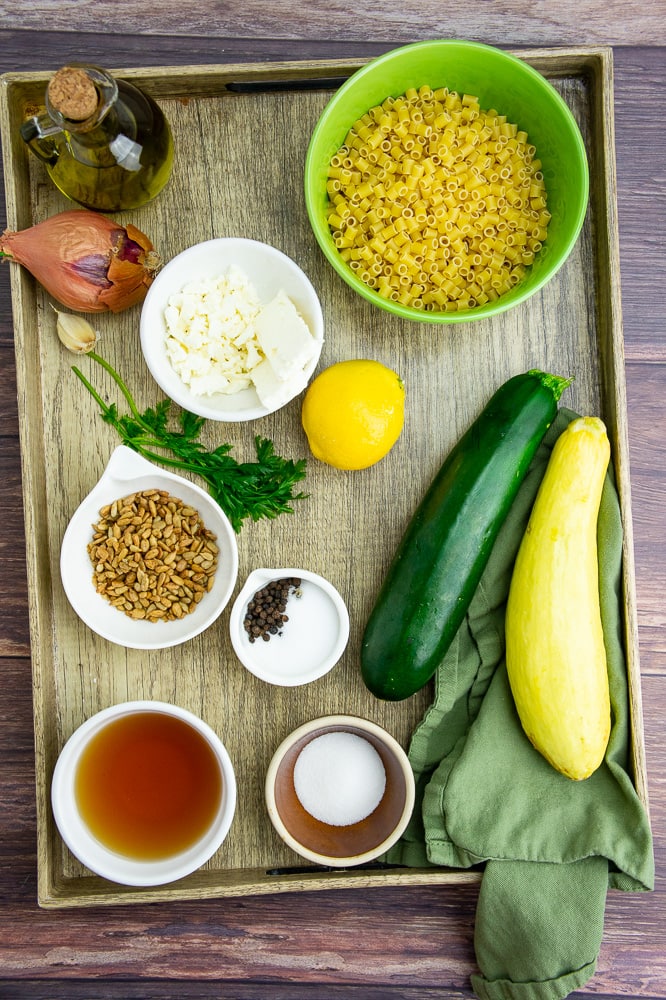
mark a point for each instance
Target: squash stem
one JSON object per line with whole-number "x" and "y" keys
{"x": 556, "y": 383}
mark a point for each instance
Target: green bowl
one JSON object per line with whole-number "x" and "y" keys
{"x": 499, "y": 81}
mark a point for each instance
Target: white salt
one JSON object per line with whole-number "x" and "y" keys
{"x": 339, "y": 778}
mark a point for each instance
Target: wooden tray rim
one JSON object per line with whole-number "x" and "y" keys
{"x": 168, "y": 81}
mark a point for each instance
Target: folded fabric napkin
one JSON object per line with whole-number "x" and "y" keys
{"x": 551, "y": 846}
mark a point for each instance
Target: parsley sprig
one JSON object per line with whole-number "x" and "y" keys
{"x": 264, "y": 488}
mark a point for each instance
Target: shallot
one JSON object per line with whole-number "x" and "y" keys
{"x": 85, "y": 260}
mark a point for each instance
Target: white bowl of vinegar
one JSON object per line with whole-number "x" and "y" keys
{"x": 143, "y": 793}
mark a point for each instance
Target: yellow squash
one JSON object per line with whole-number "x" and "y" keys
{"x": 555, "y": 652}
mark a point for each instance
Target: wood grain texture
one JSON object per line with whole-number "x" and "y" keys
{"x": 414, "y": 942}
{"x": 516, "y": 22}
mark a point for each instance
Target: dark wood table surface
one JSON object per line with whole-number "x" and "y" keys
{"x": 386, "y": 943}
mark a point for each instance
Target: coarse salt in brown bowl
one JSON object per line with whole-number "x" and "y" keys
{"x": 341, "y": 844}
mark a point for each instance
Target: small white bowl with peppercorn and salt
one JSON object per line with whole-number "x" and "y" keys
{"x": 288, "y": 626}
{"x": 148, "y": 560}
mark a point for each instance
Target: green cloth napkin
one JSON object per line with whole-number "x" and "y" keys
{"x": 551, "y": 846}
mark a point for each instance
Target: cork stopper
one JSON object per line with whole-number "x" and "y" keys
{"x": 73, "y": 94}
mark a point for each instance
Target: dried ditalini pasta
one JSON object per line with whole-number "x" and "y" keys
{"x": 435, "y": 203}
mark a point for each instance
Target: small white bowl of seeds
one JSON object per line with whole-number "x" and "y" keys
{"x": 149, "y": 559}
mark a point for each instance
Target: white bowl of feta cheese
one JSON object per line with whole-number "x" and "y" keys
{"x": 232, "y": 329}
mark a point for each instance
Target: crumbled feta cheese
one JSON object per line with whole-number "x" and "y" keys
{"x": 220, "y": 339}
{"x": 211, "y": 337}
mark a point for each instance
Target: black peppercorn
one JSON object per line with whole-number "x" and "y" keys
{"x": 265, "y": 613}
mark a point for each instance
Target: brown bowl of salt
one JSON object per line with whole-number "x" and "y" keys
{"x": 340, "y": 791}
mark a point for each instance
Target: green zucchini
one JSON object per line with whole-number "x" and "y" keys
{"x": 439, "y": 562}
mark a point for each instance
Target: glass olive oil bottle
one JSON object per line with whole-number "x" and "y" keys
{"x": 106, "y": 144}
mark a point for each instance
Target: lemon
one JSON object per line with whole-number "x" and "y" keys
{"x": 353, "y": 413}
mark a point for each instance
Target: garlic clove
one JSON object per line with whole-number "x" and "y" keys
{"x": 75, "y": 333}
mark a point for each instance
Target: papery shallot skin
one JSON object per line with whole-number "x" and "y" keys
{"x": 86, "y": 261}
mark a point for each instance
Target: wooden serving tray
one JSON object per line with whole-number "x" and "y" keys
{"x": 241, "y": 134}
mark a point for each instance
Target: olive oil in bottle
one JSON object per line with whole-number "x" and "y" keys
{"x": 106, "y": 144}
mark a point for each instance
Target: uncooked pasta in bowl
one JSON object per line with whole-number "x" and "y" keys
{"x": 446, "y": 181}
